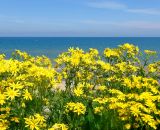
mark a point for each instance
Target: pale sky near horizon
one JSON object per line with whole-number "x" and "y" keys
{"x": 111, "y": 18}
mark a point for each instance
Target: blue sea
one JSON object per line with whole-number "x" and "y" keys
{"x": 52, "y": 46}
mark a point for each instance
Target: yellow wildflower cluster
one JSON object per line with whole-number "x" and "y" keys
{"x": 24, "y": 80}
{"x": 35, "y": 122}
{"x": 121, "y": 84}
{"x": 81, "y": 90}
{"x": 129, "y": 49}
{"x": 111, "y": 52}
{"x": 77, "y": 108}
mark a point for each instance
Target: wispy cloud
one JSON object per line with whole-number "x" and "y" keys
{"x": 120, "y": 6}
{"x": 125, "y": 24}
{"x": 141, "y": 25}
{"x": 145, "y": 11}
{"x": 10, "y": 19}
{"x": 95, "y": 22}
{"x": 107, "y": 5}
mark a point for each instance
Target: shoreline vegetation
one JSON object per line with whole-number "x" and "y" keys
{"x": 81, "y": 90}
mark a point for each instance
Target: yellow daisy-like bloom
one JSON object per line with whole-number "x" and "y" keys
{"x": 129, "y": 48}
{"x": 151, "y": 68}
{"x": 15, "y": 119}
{"x": 78, "y": 91}
{"x": 3, "y": 124}
{"x": 39, "y": 117}
{"x": 57, "y": 126}
{"x": 35, "y": 122}
{"x": 27, "y": 95}
{"x": 111, "y": 53}
{"x": 16, "y": 85}
{"x": 98, "y": 109}
{"x": 94, "y": 51}
{"x": 74, "y": 61}
{"x": 105, "y": 66}
{"x": 2, "y": 99}
{"x": 12, "y": 93}
{"x": 78, "y": 108}
{"x": 101, "y": 100}
{"x": 31, "y": 123}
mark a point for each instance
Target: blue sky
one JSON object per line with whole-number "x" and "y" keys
{"x": 112, "y": 18}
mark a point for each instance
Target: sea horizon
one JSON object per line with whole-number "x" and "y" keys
{"x": 53, "y": 46}
{"x": 79, "y": 37}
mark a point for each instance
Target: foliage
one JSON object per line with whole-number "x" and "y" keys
{"x": 81, "y": 90}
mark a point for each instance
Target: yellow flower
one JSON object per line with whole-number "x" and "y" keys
{"x": 7, "y": 109}
{"x": 51, "y": 129}
{"x": 3, "y": 124}
{"x": 23, "y": 55}
{"x": 2, "y": 56}
{"x": 39, "y": 118}
{"x": 2, "y": 99}
{"x": 127, "y": 82}
{"x": 105, "y": 66}
{"x": 129, "y": 48}
{"x": 93, "y": 52}
{"x": 75, "y": 61}
{"x": 101, "y": 88}
{"x": 98, "y": 109}
{"x": 149, "y": 120}
{"x": 46, "y": 101}
{"x": 78, "y": 108}
{"x": 57, "y": 126}
{"x": 12, "y": 93}
{"x": 31, "y": 123}
{"x": 15, "y": 119}
{"x": 135, "y": 110}
{"x": 35, "y": 122}
{"x": 78, "y": 74}
{"x": 149, "y": 52}
{"x": 101, "y": 100}
{"x": 111, "y": 53}
{"x": 16, "y": 85}
{"x": 127, "y": 126}
{"x": 27, "y": 95}
{"x": 151, "y": 68}
{"x": 78, "y": 91}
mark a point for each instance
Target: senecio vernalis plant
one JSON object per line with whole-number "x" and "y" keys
{"x": 81, "y": 90}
